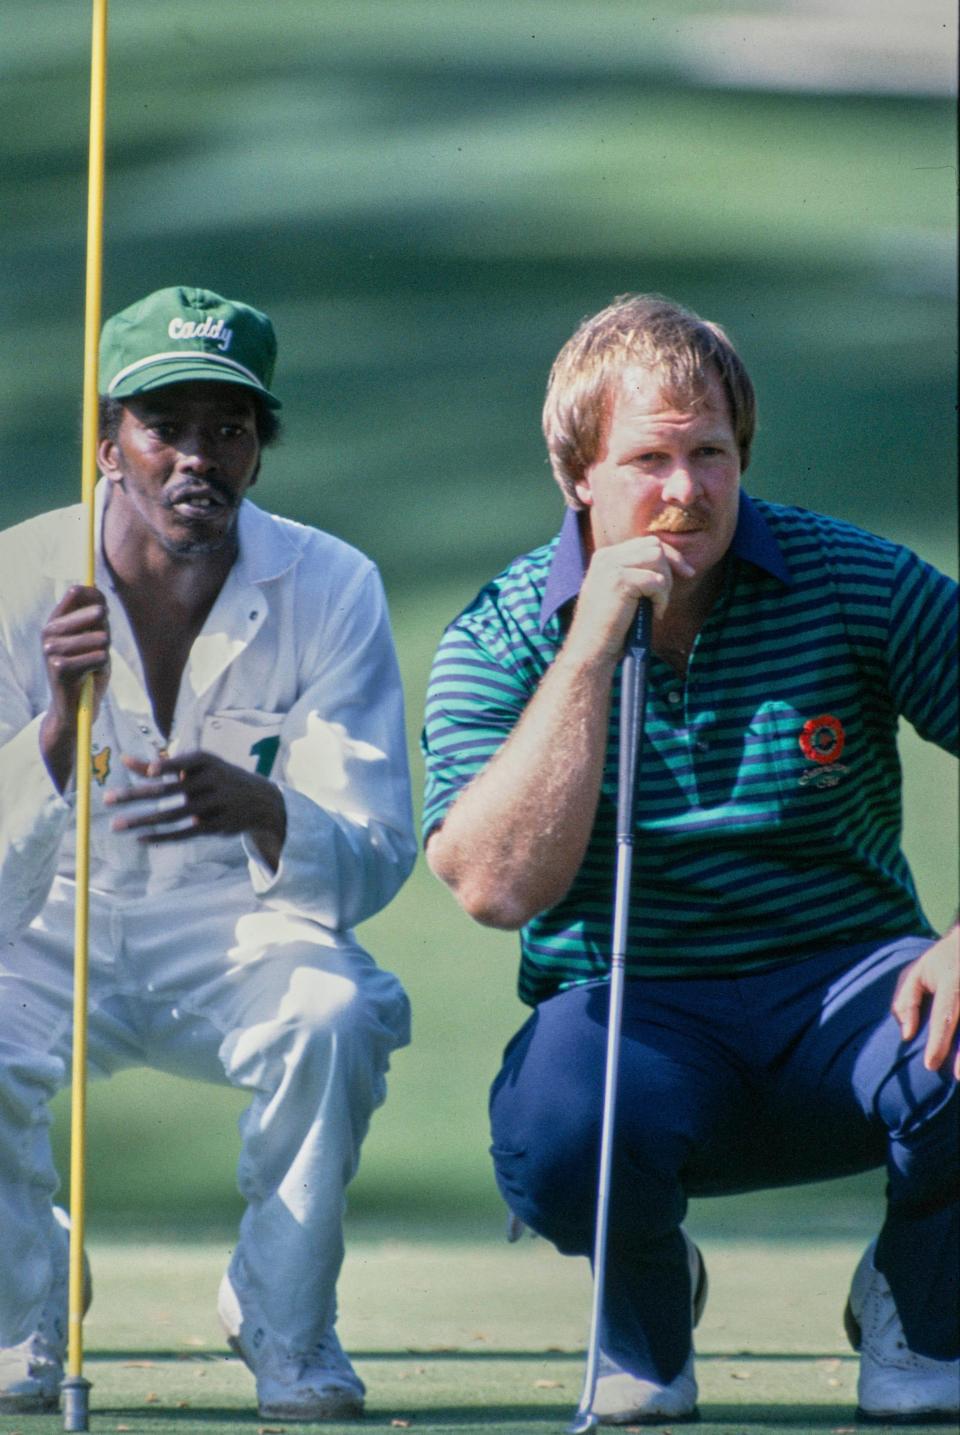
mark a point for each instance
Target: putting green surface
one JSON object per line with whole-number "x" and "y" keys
{"x": 466, "y": 1336}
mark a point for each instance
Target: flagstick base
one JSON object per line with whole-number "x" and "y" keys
{"x": 76, "y": 1403}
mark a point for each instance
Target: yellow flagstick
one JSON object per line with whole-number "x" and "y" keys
{"x": 76, "y": 1389}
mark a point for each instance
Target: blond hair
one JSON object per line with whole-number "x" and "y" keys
{"x": 649, "y": 332}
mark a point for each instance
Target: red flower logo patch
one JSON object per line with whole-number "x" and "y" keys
{"x": 822, "y": 738}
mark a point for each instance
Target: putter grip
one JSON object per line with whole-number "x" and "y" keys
{"x": 633, "y": 702}
{"x": 639, "y": 635}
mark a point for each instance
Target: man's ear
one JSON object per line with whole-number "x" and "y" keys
{"x": 584, "y": 492}
{"x": 107, "y": 459}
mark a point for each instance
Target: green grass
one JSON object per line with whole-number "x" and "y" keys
{"x": 427, "y": 196}
{"x": 467, "y": 1336}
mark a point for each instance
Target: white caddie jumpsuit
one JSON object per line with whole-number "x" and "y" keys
{"x": 203, "y": 962}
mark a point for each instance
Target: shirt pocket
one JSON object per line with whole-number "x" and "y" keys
{"x": 245, "y": 737}
{"x": 813, "y": 754}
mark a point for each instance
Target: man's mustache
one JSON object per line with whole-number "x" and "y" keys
{"x": 679, "y": 520}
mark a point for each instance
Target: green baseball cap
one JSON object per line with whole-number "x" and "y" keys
{"x": 175, "y": 335}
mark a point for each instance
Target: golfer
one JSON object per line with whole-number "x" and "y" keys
{"x": 250, "y": 805}
{"x": 790, "y": 1014}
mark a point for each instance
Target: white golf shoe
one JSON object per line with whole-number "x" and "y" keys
{"x": 624, "y": 1399}
{"x": 30, "y": 1376}
{"x": 31, "y": 1372}
{"x": 896, "y": 1385}
{"x": 319, "y": 1384}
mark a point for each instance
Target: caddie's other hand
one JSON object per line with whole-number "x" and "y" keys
{"x": 198, "y": 794}
{"x": 934, "y": 980}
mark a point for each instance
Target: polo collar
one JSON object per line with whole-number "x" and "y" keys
{"x": 567, "y": 568}
{"x": 267, "y": 548}
{"x": 753, "y": 541}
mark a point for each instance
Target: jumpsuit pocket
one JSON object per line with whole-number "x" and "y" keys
{"x": 247, "y": 738}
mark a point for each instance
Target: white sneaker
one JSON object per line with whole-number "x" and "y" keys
{"x": 624, "y": 1399}
{"x": 896, "y": 1385}
{"x": 30, "y": 1376}
{"x": 319, "y": 1384}
{"x": 31, "y": 1372}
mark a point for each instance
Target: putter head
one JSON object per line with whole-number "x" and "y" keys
{"x": 583, "y": 1420}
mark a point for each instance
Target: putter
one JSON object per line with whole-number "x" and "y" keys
{"x": 75, "y": 1387}
{"x": 633, "y": 695}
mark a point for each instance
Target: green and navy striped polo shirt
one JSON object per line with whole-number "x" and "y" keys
{"x": 769, "y": 805}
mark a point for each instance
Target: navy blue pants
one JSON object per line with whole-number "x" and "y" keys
{"x": 726, "y": 1085}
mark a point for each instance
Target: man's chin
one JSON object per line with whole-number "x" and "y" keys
{"x": 197, "y": 546}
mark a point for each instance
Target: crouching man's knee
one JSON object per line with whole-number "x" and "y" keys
{"x": 550, "y": 1182}
{"x": 323, "y": 1019}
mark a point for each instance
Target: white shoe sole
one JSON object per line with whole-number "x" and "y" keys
{"x": 690, "y": 1418}
{"x": 347, "y": 1407}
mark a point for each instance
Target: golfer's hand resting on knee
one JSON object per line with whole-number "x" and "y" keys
{"x": 930, "y": 987}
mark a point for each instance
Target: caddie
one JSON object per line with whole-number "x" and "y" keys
{"x": 790, "y": 1014}
{"x": 250, "y": 806}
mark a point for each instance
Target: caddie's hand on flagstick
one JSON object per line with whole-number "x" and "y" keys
{"x": 197, "y": 794}
{"x": 76, "y": 642}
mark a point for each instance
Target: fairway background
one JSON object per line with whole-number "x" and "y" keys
{"x": 427, "y": 196}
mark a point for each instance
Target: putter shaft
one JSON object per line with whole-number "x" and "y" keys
{"x": 632, "y": 713}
